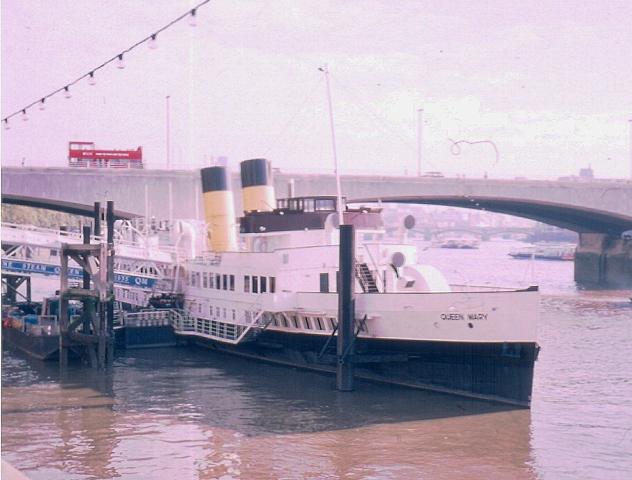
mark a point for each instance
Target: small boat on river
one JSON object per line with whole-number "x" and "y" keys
{"x": 460, "y": 243}
{"x": 545, "y": 252}
{"x": 33, "y": 327}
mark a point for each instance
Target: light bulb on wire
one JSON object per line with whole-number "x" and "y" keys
{"x": 190, "y": 16}
{"x": 152, "y": 43}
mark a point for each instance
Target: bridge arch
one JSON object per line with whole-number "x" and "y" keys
{"x": 72, "y": 208}
{"x": 570, "y": 217}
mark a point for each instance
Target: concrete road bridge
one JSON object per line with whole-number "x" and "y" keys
{"x": 600, "y": 211}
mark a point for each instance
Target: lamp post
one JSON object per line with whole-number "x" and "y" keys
{"x": 167, "y": 134}
{"x": 420, "y": 113}
{"x": 630, "y": 122}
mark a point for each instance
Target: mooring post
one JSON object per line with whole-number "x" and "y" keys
{"x": 110, "y": 281}
{"x": 88, "y": 305}
{"x": 63, "y": 309}
{"x": 102, "y": 339}
{"x": 97, "y": 219}
{"x": 346, "y": 310}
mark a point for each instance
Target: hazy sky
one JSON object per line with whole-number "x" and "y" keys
{"x": 550, "y": 82}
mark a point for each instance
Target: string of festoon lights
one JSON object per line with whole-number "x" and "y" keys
{"x": 150, "y": 40}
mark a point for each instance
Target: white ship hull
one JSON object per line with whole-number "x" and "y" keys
{"x": 478, "y": 343}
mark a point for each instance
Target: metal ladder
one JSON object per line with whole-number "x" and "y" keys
{"x": 256, "y": 328}
{"x": 365, "y": 277}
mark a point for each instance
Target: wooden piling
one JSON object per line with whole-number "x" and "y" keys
{"x": 97, "y": 219}
{"x": 63, "y": 310}
{"x": 94, "y": 340}
{"x": 109, "y": 326}
{"x": 88, "y": 306}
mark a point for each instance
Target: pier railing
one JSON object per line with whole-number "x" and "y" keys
{"x": 232, "y": 333}
{"x": 150, "y": 318}
{"x": 185, "y": 324}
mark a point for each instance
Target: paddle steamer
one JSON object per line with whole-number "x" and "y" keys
{"x": 266, "y": 289}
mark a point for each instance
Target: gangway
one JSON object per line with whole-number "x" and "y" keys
{"x": 141, "y": 269}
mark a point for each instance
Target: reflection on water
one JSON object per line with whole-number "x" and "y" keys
{"x": 196, "y": 414}
{"x": 190, "y": 413}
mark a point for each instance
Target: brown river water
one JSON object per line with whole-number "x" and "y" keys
{"x": 187, "y": 413}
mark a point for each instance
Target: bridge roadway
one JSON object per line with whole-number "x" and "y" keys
{"x": 599, "y": 210}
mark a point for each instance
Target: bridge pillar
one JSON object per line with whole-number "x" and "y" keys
{"x": 604, "y": 261}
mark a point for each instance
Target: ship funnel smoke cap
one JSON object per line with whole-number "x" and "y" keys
{"x": 214, "y": 179}
{"x": 255, "y": 172}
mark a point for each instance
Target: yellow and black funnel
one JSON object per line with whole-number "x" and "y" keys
{"x": 256, "y": 186}
{"x": 219, "y": 209}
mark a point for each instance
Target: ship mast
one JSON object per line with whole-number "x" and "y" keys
{"x": 325, "y": 70}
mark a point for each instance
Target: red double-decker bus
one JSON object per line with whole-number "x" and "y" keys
{"x": 85, "y": 155}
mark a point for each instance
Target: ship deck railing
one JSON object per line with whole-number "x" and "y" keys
{"x": 457, "y": 288}
{"x": 142, "y": 247}
{"x": 185, "y": 324}
{"x": 210, "y": 258}
{"x": 14, "y": 233}
{"x": 233, "y": 333}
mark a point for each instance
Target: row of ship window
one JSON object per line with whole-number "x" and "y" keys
{"x": 224, "y": 281}
{"x": 310, "y": 323}
{"x": 307, "y": 323}
{"x": 211, "y": 280}
{"x": 259, "y": 284}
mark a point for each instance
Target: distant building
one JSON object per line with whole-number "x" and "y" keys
{"x": 586, "y": 173}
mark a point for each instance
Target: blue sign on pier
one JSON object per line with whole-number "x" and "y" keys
{"x": 20, "y": 266}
